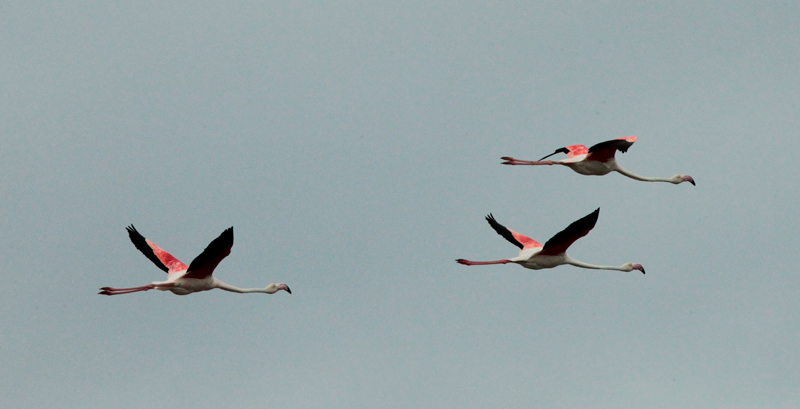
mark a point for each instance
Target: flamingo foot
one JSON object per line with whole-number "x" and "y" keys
{"x": 118, "y": 291}
{"x": 511, "y": 161}
{"x": 480, "y": 263}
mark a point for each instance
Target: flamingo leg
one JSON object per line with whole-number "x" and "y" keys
{"x": 118, "y": 291}
{"x": 481, "y": 263}
{"x": 511, "y": 161}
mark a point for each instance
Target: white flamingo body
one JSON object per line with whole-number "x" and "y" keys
{"x": 196, "y": 277}
{"x": 180, "y": 285}
{"x": 535, "y": 256}
{"x": 597, "y": 161}
{"x": 591, "y": 168}
{"x": 536, "y": 261}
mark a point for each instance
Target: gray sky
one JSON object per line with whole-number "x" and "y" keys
{"x": 355, "y": 148}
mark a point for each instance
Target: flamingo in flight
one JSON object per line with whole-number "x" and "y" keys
{"x": 597, "y": 160}
{"x": 183, "y": 279}
{"x": 536, "y": 257}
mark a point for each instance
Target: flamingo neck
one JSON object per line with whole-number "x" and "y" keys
{"x": 576, "y": 263}
{"x": 632, "y": 175}
{"x": 232, "y": 288}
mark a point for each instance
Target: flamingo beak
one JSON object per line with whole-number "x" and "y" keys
{"x": 638, "y": 267}
{"x": 286, "y": 287}
{"x": 687, "y": 178}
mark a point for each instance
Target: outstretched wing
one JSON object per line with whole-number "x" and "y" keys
{"x": 562, "y": 240}
{"x": 204, "y": 264}
{"x": 520, "y": 240}
{"x": 160, "y": 258}
{"x": 603, "y": 151}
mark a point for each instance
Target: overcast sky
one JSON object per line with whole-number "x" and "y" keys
{"x": 355, "y": 147}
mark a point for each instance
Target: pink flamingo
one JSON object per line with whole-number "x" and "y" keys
{"x": 597, "y": 160}
{"x": 535, "y": 256}
{"x": 183, "y": 280}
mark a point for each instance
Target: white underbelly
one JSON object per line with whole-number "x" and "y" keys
{"x": 592, "y": 167}
{"x": 184, "y": 286}
{"x": 538, "y": 262}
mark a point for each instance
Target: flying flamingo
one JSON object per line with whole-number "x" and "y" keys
{"x": 183, "y": 280}
{"x": 597, "y": 160}
{"x": 535, "y": 256}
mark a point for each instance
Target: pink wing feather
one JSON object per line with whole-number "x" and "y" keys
{"x": 163, "y": 260}
{"x": 526, "y": 241}
{"x": 520, "y": 240}
{"x": 172, "y": 263}
{"x": 576, "y": 150}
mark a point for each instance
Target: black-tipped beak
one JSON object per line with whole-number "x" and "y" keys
{"x": 288, "y": 290}
{"x": 692, "y": 182}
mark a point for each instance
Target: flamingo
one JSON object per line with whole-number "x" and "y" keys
{"x": 183, "y": 280}
{"x": 597, "y": 160}
{"x": 535, "y": 256}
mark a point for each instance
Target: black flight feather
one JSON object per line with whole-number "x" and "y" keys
{"x": 140, "y": 243}
{"x": 574, "y": 231}
{"x": 619, "y": 144}
{"x": 217, "y": 249}
{"x": 503, "y": 231}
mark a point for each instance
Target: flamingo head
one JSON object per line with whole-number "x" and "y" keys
{"x": 274, "y": 288}
{"x": 678, "y": 179}
{"x": 636, "y": 266}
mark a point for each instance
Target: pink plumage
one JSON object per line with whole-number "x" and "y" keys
{"x": 554, "y": 252}
{"x": 597, "y": 161}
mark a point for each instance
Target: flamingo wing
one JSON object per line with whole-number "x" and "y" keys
{"x": 204, "y": 264}
{"x": 604, "y": 151}
{"x": 571, "y": 151}
{"x": 160, "y": 258}
{"x": 520, "y": 240}
{"x": 559, "y": 243}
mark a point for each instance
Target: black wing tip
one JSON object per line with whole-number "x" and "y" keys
{"x": 503, "y": 231}
{"x": 621, "y": 145}
{"x": 141, "y": 244}
{"x": 593, "y": 216}
{"x": 228, "y": 232}
{"x": 575, "y": 230}
{"x": 494, "y": 223}
{"x": 133, "y": 233}
{"x": 224, "y": 239}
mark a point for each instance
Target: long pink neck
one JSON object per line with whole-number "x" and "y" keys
{"x": 642, "y": 178}
{"x": 581, "y": 264}
{"x": 234, "y": 289}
